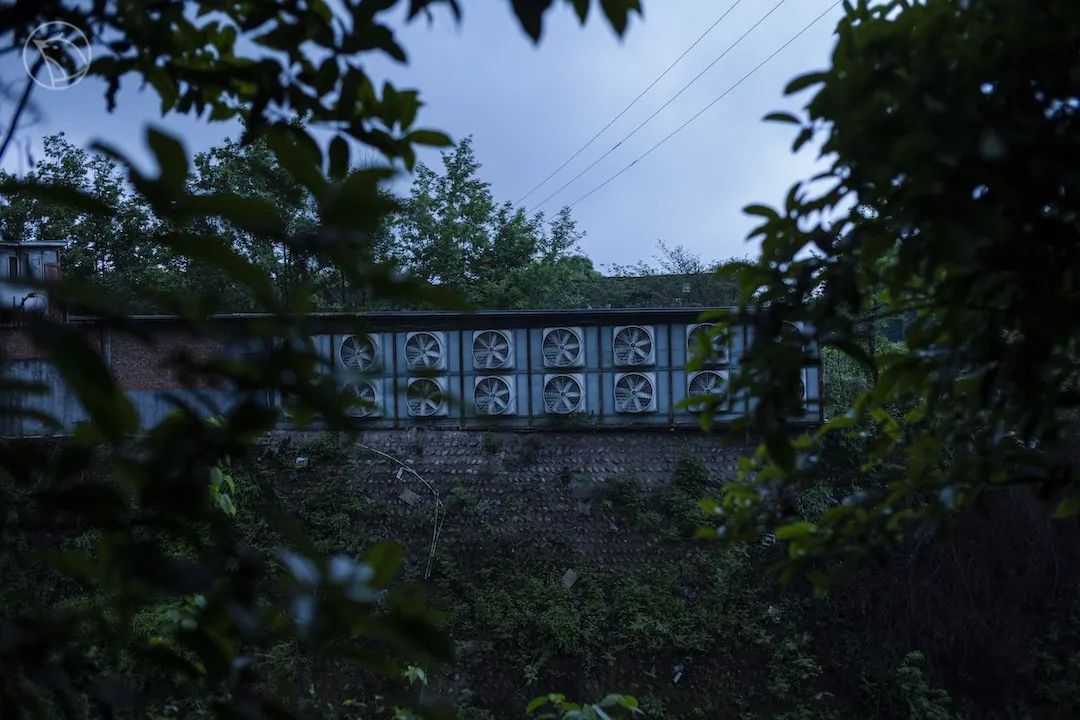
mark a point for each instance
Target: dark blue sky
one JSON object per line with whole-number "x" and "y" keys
{"x": 529, "y": 107}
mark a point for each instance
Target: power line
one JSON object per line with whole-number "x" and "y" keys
{"x": 664, "y": 106}
{"x": 633, "y": 102}
{"x": 701, "y": 112}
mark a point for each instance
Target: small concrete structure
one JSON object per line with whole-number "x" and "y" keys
{"x": 24, "y": 268}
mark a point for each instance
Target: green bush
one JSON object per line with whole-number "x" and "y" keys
{"x": 923, "y": 701}
{"x": 490, "y": 444}
{"x": 688, "y": 487}
{"x": 653, "y": 708}
{"x": 471, "y": 712}
{"x": 534, "y": 617}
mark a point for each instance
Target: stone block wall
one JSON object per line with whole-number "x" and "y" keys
{"x": 540, "y": 485}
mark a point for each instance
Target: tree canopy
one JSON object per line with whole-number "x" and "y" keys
{"x": 951, "y": 200}
{"x": 452, "y": 232}
{"x": 449, "y": 230}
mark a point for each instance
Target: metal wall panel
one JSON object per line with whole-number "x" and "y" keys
{"x": 457, "y": 373}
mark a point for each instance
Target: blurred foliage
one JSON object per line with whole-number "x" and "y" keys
{"x": 158, "y": 550}
{"x": 557, "y": 707}
{"x": 950, "y": 199}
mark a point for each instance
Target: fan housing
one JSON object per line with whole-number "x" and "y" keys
{"x": 794, "y": 330}
{"x": 493, "y": 350}
{"x": 563, "y": 347}
{"x": 635, "y": 393}
{"x": 494, "y": 395}
{"x": 564, "y": 394}
{"x": 706, "y": 383}
{"x": 720, "y": 350}
{"x": 282, "y": 401}
{"x": 425, "y": 351}
{"x": 633, "y": 345}
{"x": 427, "y": 397}
{"x": 800, "y": 389}
{"x": 358, "y": 353}
{"x": 365, "y": 399}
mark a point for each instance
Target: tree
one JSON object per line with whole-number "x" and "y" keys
{"x": 445, "y": 225}
{"x": 951, "y": 199}
{"x": 674, "y": 276}
{"x": 160, "y": 535}
{"x": 452, "y": 232}
{"x": 251, "y": 171}
{"x": 671, "y": 260}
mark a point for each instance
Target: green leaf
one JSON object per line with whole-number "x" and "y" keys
{"x": 171, "y": 159}
{"x": 856, "y": 352}
{"x": 539, "y": 702}
{"x": 64, "y": 195}
{"x": 781, "y": 452}
{"x": 298, "y": 162}
{"x": 385, "y": 557}
{"x": 338, "y": 153}
{"x": 84, "y": 371}
{"x": 530, "y": 13}
{"x": 220, "y": 256}
{"x": 795, "y": 531}
{"x": 804, "y": 81}
{"x": 618, "y": 13}
{"x": 581, "y": 7}
{"x": 761, "y": 211}
{"x": 253, "y": 214}
{"x": 610, "y": 700}
{"x": 782, "y": 117}
{"x": 804, "y": 136}
{"x": 1067, "y": 508}
{"x": 430, "y": 138}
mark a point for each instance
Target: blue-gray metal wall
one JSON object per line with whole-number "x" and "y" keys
{"x": 526, "y": 374}
{"x": 648, "y": 388}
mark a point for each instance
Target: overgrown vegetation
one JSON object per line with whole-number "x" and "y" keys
{"x": 670, "y": 621}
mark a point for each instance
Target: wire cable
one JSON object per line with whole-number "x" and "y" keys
{"x": 664, "y": 106}
{"x": 633, "y": 102}
{"x": 709, "y": 106}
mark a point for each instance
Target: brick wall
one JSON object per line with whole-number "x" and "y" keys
{"x": 137, "y": 365}
{"x": 17, "y": 346}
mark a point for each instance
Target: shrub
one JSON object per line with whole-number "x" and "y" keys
{"x": 923, "y": 702}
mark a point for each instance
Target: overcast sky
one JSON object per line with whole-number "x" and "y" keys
{"x": 530, "y": 107}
